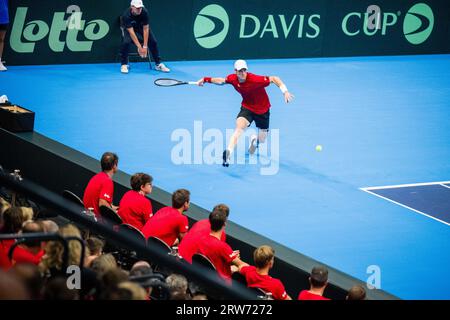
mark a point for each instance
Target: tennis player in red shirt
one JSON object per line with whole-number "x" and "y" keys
{"x": 202, "y": 228}
{"x": 100, "y": 189}
{"x": 319, "y": 281}
{"x": 255, "y": 104}
{"x": 219, "y": 252}
{"x": 135, "y": 208}
{"x": 170, "y": 224}
{"x": 258, "y": 276}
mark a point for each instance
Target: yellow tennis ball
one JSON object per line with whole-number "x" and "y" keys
{"x": 318, "y": 148}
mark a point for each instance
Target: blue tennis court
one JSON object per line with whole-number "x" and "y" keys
{"x": 382, "y": 121}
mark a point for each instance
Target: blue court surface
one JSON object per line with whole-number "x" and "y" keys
{"x": 382, "y": 121}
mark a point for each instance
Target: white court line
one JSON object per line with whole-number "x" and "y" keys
{"x": 406, "y": 185}
{"x": 404, "y": 206}
{"x": 445, "y": 186}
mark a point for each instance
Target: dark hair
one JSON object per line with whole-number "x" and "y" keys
{"x": 180, "y": 197}
{"x": 319, "y": 276}
{"x": 222, "y": 207}
{"x": 12, "y": 220}
{"x": 95, "y": 245}
{"x": 140, "y": 179}
{"x": 217, "y": 219}
{"x": 109, "y": 160}
{"x": 356, "y": 293}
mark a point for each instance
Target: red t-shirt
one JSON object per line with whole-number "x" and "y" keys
{"x": 189, "y": 245}
{"x": 22, "y": 255}
{"x": 5, "y": 263}
{"x": 265, "y": 282}
{"x": 135, "y": 209}
{"x": 306, "y": 295}
{"x": 220, "y": 254}
{"x": 99, "y": 187}
{"x": 254, "y": 96}
{"x": 166, "y": 224}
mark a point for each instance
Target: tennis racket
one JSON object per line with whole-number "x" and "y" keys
{"x": 166, "y": 82}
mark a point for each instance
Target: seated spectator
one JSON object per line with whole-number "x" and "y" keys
{"x": 356, "y": 293}
{"x": 141, "y": 268}
{"x": 51, "y": 263}
{"x": 135, "y": 208}
{"x": 318, "y": 281}
{"x": 31, "y": 251}
{"x": 103, "y": 263}
{"x": 95, "y": 246}
{"x": 109, "y": 281}
{"x": 12, "y": 223}
{"x": 49, "y": 226}
{"x": 189, "y": 245}
{"x": 258, "y": 276}
{"x": 169, "y": 224}
{"x": 178, "y": 286}
{"x": 100, "y": 189}
{"x": 219, "y": 252}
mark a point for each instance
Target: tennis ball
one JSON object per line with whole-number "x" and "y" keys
{"x": 318, "y": 148}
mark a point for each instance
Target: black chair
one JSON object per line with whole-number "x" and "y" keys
{"x": 156, "y": 242}
{"x": 200, "y": 259}
{"x": 133, "y": 54}
{"x": 69, "y": 195}
{"x": 132, "y": 232}
{"x": 110, "y": 216}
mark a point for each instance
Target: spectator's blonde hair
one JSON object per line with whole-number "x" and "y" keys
{"x": 137, "y": 292}
{"x": 27, "y": 213}
{"x": 4, "y": 205}
{"x": 54, "y": 250}
{"x": 103, "y": 263}
{"x": 263, "y": 255}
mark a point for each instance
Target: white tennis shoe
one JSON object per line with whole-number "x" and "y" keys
{"x": 124, "y": 68}
{"x": 2, "y": 67}
{"x": 162, "y": 67}
{"x": 253, "y": 144}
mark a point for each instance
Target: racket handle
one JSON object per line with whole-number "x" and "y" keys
{"x": 193, "y": 82}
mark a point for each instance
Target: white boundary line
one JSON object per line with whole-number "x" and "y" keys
{"x": 406, "y": 185}
{"x": 404, "y": 206}
{"x": 445, "y": 186}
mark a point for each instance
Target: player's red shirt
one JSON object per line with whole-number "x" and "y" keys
{"x": 189, "y": 245}
{"x": 135, "y": 209}
{"x": 306, "y": 295}
{"x": 166, "y": 224}
{"x": 220, "y": 254}
{"x": 254, "y": 96}
{"x": 22, "y": 255}
{"x": 99, "y": 187}
{"x": 265, "y": 282}
{"x": 5, "y": 263}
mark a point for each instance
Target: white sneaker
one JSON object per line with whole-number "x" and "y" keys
{"x": 162, "y": 67}
{"x": 253, "y": 144}
{"x": 124, "y": 68}
{"x": 2, "y": 67}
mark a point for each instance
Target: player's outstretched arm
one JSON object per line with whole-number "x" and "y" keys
{"x": 219, "y": 81}
{"x": 288, "y": 97}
